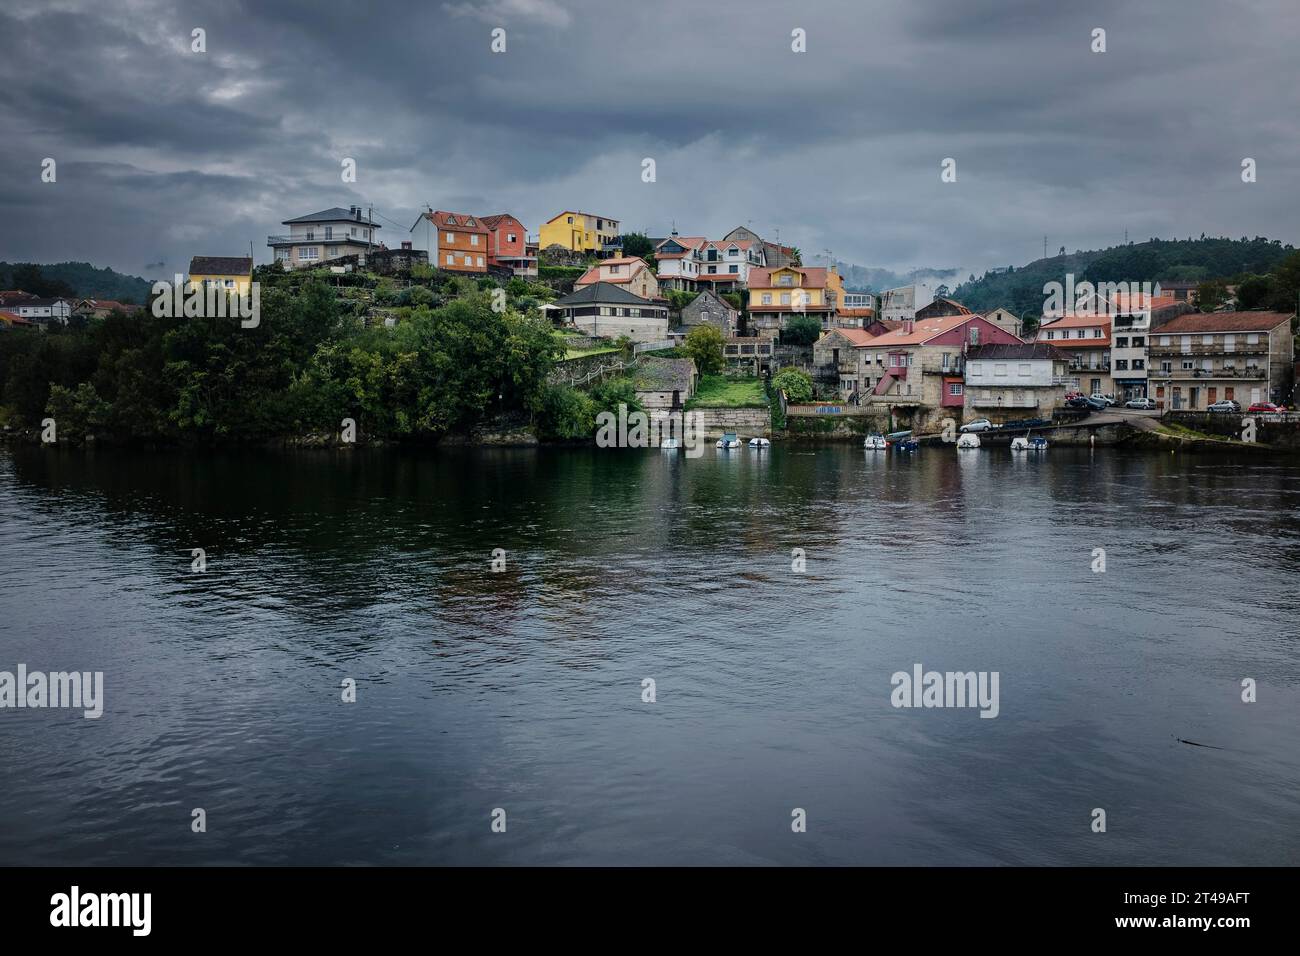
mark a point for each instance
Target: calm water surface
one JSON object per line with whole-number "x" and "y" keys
{"x": 522, "y": 690}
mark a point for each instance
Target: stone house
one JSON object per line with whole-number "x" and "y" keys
{"x": 1199, "y": 359}
{"x": 709, "y": 308}
{"x": 1007, "y": 382}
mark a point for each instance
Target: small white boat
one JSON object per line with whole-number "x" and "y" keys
{"x": 759, "y": 442}
{"x": 875, "y": 442}
{"x": 670, "y": 443}
{"x": 968, "y": 440}
{"x": 1029, "y": 444}
{"x": 728, "y": 440}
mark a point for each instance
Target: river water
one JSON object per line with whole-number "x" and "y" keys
{"x": 522, "y": 689}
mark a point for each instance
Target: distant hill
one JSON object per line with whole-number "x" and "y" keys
{"x": 1189, "y": 260}
{"x": 84, "y": 280}
{"x": 870, "y": 279}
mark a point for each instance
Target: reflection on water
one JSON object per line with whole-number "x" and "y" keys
{"x": 522, "y": 689}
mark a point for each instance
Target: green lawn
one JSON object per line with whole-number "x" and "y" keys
{"x": 716, "y": 391}
{"x": 571, "y": 353}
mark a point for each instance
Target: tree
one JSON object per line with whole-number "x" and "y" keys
{"x": 796, "y": 256}
{"x": 704, "y": 344}
{"x": 1255, "y": 292}
{"x": 801, "y": 330}
{"x": 796, "y": 383}
{"x": 1210, "y": 295}
{"x": 1286, "y": 284}
{"x": 636, "y": 244}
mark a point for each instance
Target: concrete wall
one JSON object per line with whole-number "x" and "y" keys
{"x": 744, "y": 421}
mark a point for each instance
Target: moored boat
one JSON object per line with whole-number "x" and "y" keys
{"x": 875, "y": 442}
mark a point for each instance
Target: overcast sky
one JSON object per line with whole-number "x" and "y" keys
{"x": 163, "y": 153}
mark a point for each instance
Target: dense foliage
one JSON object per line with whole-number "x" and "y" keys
{"x": 308, "y": 365}
{"x": 73, "y": 280}
{"x": 1189, "y": 260}
{"x": 704, "y": 344}
{"x": 796, "y": 383}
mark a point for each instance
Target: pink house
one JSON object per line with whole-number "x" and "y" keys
{"x": 508, "y": 244}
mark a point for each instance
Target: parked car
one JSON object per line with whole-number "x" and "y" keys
{"x": 1267, "y": 408}
{"x": 1146, "y": 403}
{"x": 979, "y": 425}
{"x": 1096, "y": 404}
{"x": 1076, "y": 401}
{"x": 1227, "y": 405}
{"x": 1072, "y": 393}
{"x": 1104, "y": 399}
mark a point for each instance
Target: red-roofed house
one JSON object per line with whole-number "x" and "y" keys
{"x": 1085, "y": 339}
{"x": 508, "y": 245}
{"x": 630, "y": 272}
{"x": 461, "y": 243}
{"x": 1199, "y": 359}
{"x": 917, "y": 370}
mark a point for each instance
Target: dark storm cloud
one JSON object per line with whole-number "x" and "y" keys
{"x": 164, "y": 153}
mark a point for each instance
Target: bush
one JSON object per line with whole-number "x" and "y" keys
{"x": 797, "y": 385}
{"x": 801, "y": 330}
{"x": 704, "y": 344}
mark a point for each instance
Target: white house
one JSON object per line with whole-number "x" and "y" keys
{"x": 321, "y": 236}
{"x": 42, "y": 311}
{"x": 1014, "y": 381}
{"x": 692, "y": 262}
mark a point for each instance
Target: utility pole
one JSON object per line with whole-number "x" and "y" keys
{"x": 1044, "y": 247}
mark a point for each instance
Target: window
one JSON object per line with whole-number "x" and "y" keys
{"x": 1121, "y": 343}
{"x": 480, "y": 261}
{"x": 713, "y": 270}
{"x": 785, "y": 298}
{"x": 1165, "y": 340}
{"x": 999, "y": 369}
{"x": 451, "y": 220}
{"x": 1228, "y": 393}
{"x": 734, "y": 270}
{"x": 451, "y": 259}
{"x": 1121, "y": 365}
{"x": 786, "y": 279}
{"x": 329, "y": 232}
{"x": 1098, "y": 334}
{"x": 1185, "y": 343}
{"x": 1207, "y": 364}
{"x": 473, "y": 238}
{"x": 449, "y": 238}
{"x": 570, "y": 221}
{"x": 1079, "y": 334}
{"x": 615, "y": 270}
{"x": 1139, "y": 342}
{"x": 1023, "y": 370}
{"x": 311, "y": 234}
{"x": 1207, "y": 339}
{"x": 469, "y": 221}
{"x": 1252, "y": 338}
{"x": 511, "y": 237}
{"x": 1187, "y": 365}
{"x": 1051, "y": 335}
{"x": 468, "y": 260}
{"x": 954, "y": 388}
{"x": 974, "y": 335}
{"x": 354, "y": 230}
{"x": 1139, "y": 365}
{"x": 1229, "y": 343}
{"x": 767, "y": 298}
{"x": 308, "y": 252}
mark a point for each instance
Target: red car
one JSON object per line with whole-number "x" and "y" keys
{"x": 1265, "y": 407}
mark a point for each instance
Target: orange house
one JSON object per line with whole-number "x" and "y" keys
{"x": 508, "y": 244}
{"x": 462, "y": 243}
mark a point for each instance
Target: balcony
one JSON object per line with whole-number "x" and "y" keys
{"x": 317, "y": 239}
{"x": 1000, "y": 401}
{"x": 1199, "y": 348}
{"x": 1089, "y": 367}
{"x": 1253, "y": 372}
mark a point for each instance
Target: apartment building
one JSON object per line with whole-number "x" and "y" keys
{"x": 1014, "y": 381}
{"x": 1199, "y": 359}
{"x": 1085, "y": 340}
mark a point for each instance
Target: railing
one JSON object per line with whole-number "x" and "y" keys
{"x": 640, "y": 347}
{"x": 1200, "y": 348}
{"x": 1001, "y": 402}
{"x": 1096, "y": 367}
{"x": 1248, "y": 372}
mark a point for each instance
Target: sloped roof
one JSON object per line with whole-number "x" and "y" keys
{"x": 495, "y": 220}
{"x": 605, "y": 293}
{"x": 658, "y": 374}
{"x": 456, "y": 221}
{"x": 1223, "y": 322}
{"x": 814, "y": 276}
{"x": 1026, "y": 350}
{"x": 334, "y": 214}
{"x": 922, "y": 330}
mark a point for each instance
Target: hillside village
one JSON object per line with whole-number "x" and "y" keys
{"x": 738, "y": 327}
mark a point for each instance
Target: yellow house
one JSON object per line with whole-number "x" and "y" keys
{"x": 776, "y": 294}
{"x": 582, "y": 232}
{"x": 225, "y": 272}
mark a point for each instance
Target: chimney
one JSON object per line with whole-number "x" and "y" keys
{"x": 908, "y": 325}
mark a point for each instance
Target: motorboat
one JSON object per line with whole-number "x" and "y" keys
{"x": 759, "y": 442}
{"x": 728, "y": 440}
{"x": 1029, "y": 444}
{"x": 905, "y": 444}
{"x": 875, "y": 442}
{"x": 968, "y": 440}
